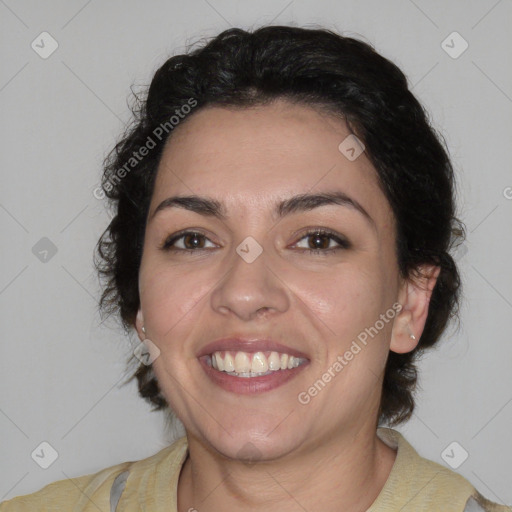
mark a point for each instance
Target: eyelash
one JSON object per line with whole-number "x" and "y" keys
{"x": 343, "y": 243}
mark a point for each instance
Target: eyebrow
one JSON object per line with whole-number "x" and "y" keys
{"x": 300, "y": 203}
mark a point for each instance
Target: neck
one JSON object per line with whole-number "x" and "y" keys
{"x": 350, "y": 468}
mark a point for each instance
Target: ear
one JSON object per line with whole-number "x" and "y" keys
{"x": 139, "y": 322}
{"x": 414, "y": 296}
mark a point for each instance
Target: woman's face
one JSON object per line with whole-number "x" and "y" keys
{"x": 249, "y": 276}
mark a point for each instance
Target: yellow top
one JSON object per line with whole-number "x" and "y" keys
{"x": 150, "y": 485}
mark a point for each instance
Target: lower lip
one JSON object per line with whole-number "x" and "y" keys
{"x": 250, "y": 385}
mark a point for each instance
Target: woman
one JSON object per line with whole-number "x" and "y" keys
{"x": 284, "y": 215}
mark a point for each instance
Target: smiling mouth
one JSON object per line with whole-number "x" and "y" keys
{"x": 252, "y": 364}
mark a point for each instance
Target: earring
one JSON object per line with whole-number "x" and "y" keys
{"x": 143, "y": 329}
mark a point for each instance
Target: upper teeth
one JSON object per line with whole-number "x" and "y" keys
{"x": 254, "y": 362}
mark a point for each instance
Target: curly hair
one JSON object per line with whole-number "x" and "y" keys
{"x": 318, "y": 68}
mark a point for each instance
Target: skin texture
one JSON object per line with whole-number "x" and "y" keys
{"x": 314, "y": 456}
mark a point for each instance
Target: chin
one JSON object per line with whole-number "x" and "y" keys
{"x": 253, "y": 443}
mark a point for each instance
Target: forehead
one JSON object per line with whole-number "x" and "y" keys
{"x": 251, "y": 157}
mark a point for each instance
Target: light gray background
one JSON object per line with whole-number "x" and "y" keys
{"x": 61, "y": 370}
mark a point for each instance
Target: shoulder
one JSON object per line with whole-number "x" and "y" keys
{"x": 477, "y": 503}
{"x": 93, "y": 491}
{"x": 426, "y": 485}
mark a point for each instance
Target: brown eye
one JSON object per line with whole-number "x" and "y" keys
{"x": 319, "y": 242}
{"x": 196, "y": 241}
{"x": 191, "y": 241}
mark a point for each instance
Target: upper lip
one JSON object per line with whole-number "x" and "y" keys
{"x": 245, "y": 344}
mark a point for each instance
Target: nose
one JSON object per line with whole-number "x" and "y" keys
{"x": 250, "y": 289}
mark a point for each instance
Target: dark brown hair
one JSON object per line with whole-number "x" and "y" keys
{"x": 315, "y": 67}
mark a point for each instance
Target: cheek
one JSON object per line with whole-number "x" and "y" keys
{"x": 356, "y": 330}
{"x": 169, "y": 297}
{"x": 346, "y": 299}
